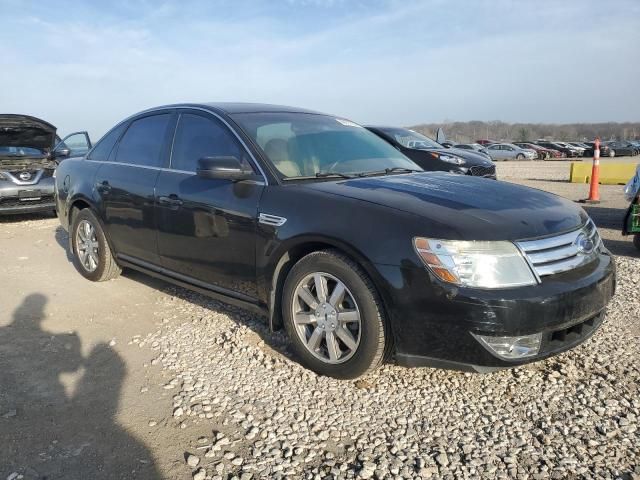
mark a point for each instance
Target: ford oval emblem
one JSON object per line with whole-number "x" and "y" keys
{"x": 25, "y": 176}
{"x": 584, "y": 244}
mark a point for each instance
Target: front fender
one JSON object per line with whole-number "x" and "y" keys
{"x": 280, "y": 256}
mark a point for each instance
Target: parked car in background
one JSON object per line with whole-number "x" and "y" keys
{"x": 431, "y": 155}
{"x": 472, "y": 146}
{"x": 582, "y": 145}
{"x": 541, "y": 152}
{"x": 28, "y": 158}
{"x": 579, "y": 150}
{"x": 326, "y": 229}
{"x": 622, "y": 148}
{"x": 568, "y": 152}
{"x": 485, "y": 142}
{"x": 605, "y": 151}
{"x": 509, "y": 151}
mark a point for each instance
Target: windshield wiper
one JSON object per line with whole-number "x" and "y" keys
{"x": 333, "y": 174}
{"x": 400, "y": 170}
{"x": 320, "y": 175}
{"x": 388, "y": 171}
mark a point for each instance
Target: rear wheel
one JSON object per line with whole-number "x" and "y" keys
{"x": 333, "y": 316}
{"x": 92, "y": 255}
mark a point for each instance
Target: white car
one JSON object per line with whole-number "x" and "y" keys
{"x": 509, "y": 151}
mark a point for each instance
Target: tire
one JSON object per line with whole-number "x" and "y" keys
{"x": 105, "y": 267}
{"x": 368, "y": 339}
{"x": 520, "y": 157}
{"x": 636, "y": 240}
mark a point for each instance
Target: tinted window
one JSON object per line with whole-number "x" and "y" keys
{"x": 103, "y": 148}
{"x": 142, "y": 143}
{"x": 198, "y": 137}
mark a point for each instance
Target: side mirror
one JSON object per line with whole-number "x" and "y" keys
{"x": 223, "y": 168}
{"x": 60, "y": 153}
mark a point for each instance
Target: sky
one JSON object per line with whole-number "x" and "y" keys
{"x": 86, "y": 65}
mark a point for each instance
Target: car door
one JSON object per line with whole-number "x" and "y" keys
{"x": 75, "y": 144}
{"x": 496, "y": 152}
{"x": 207, "y": 227}
{"x": 125, "y": 186}
{"x": 508, "y": 152}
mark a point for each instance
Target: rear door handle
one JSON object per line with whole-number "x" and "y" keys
{"x": 172, "y": 201}
{"x": 103, "y": 187}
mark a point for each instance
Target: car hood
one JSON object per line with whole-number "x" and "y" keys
{"x": 26, "y": 131}
{"x": 465, "y": 207}
{"x": 470, "y": 157}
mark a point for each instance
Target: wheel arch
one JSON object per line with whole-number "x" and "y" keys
{"x": 299, "y": 248}
{"x": 80, "y": 203}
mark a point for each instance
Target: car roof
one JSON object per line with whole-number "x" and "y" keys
{"x": 240, "y": 107}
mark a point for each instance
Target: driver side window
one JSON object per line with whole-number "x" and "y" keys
{"x": 197, "y": 137}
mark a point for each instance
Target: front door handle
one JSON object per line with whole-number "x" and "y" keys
{"x": 103, "y": 187}
{"x": 172, "y": 201}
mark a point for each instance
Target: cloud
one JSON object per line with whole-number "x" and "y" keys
{"x": 397, "y": 62}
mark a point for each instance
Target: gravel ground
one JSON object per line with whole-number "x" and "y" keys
{"x": 209, "y": 393}
{"x": 572, "y": 416}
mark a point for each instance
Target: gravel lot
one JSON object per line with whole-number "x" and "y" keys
{"x": 211, "y": 394}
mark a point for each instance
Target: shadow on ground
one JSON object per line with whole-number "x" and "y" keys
{"x": 254, "y": 321}
{"x": 23, "y": 217}
{"x": 78, "y": 437}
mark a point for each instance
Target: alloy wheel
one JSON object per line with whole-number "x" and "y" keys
{"x": 87, "y": 246}
{"x": 326, "y": 317}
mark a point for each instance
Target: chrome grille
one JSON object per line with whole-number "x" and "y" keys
{"x": 562, "y": 253}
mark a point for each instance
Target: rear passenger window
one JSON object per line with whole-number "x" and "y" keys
{"x": 103, "y": 148}
{"x": 142, "y": 143}
{"x": 198, "y": 137}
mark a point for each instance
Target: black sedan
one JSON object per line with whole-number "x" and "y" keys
{"x": 605, "y": 151}
{"x": 622, "y": 148}
{"x": 432, "y": 156}
{"x": 329, "y": 231}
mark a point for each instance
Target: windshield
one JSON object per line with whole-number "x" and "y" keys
{"x": 410, "y": 139}
{"x": 20, "y": 151}
{"x": 310, "y": 145}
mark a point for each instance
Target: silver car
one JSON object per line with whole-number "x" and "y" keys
{"x": 509, "y": 151}
{"x": 30, "y": 150}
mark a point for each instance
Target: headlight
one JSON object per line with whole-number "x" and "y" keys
{"x": 475, "y": 264}
{"x": 448, "y": 158}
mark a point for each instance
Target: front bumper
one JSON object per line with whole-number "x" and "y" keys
{"x": 433, "y": 323}
{"x": 27, "y": 198}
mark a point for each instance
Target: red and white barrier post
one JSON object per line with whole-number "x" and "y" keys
{"x": 594, "y": 188}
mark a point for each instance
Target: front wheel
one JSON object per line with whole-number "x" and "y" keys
{"x": 520, "y": 157}
{"x": 333, "y": 316}
{"x": 636, "y": 240}
{"x": 92, "y": 255}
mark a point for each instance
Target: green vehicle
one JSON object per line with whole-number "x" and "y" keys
{"x": 632, "y": 221}
{"x": 632, "y": 218}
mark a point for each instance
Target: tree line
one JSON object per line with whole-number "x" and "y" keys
{"x": 467, "y": 132}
